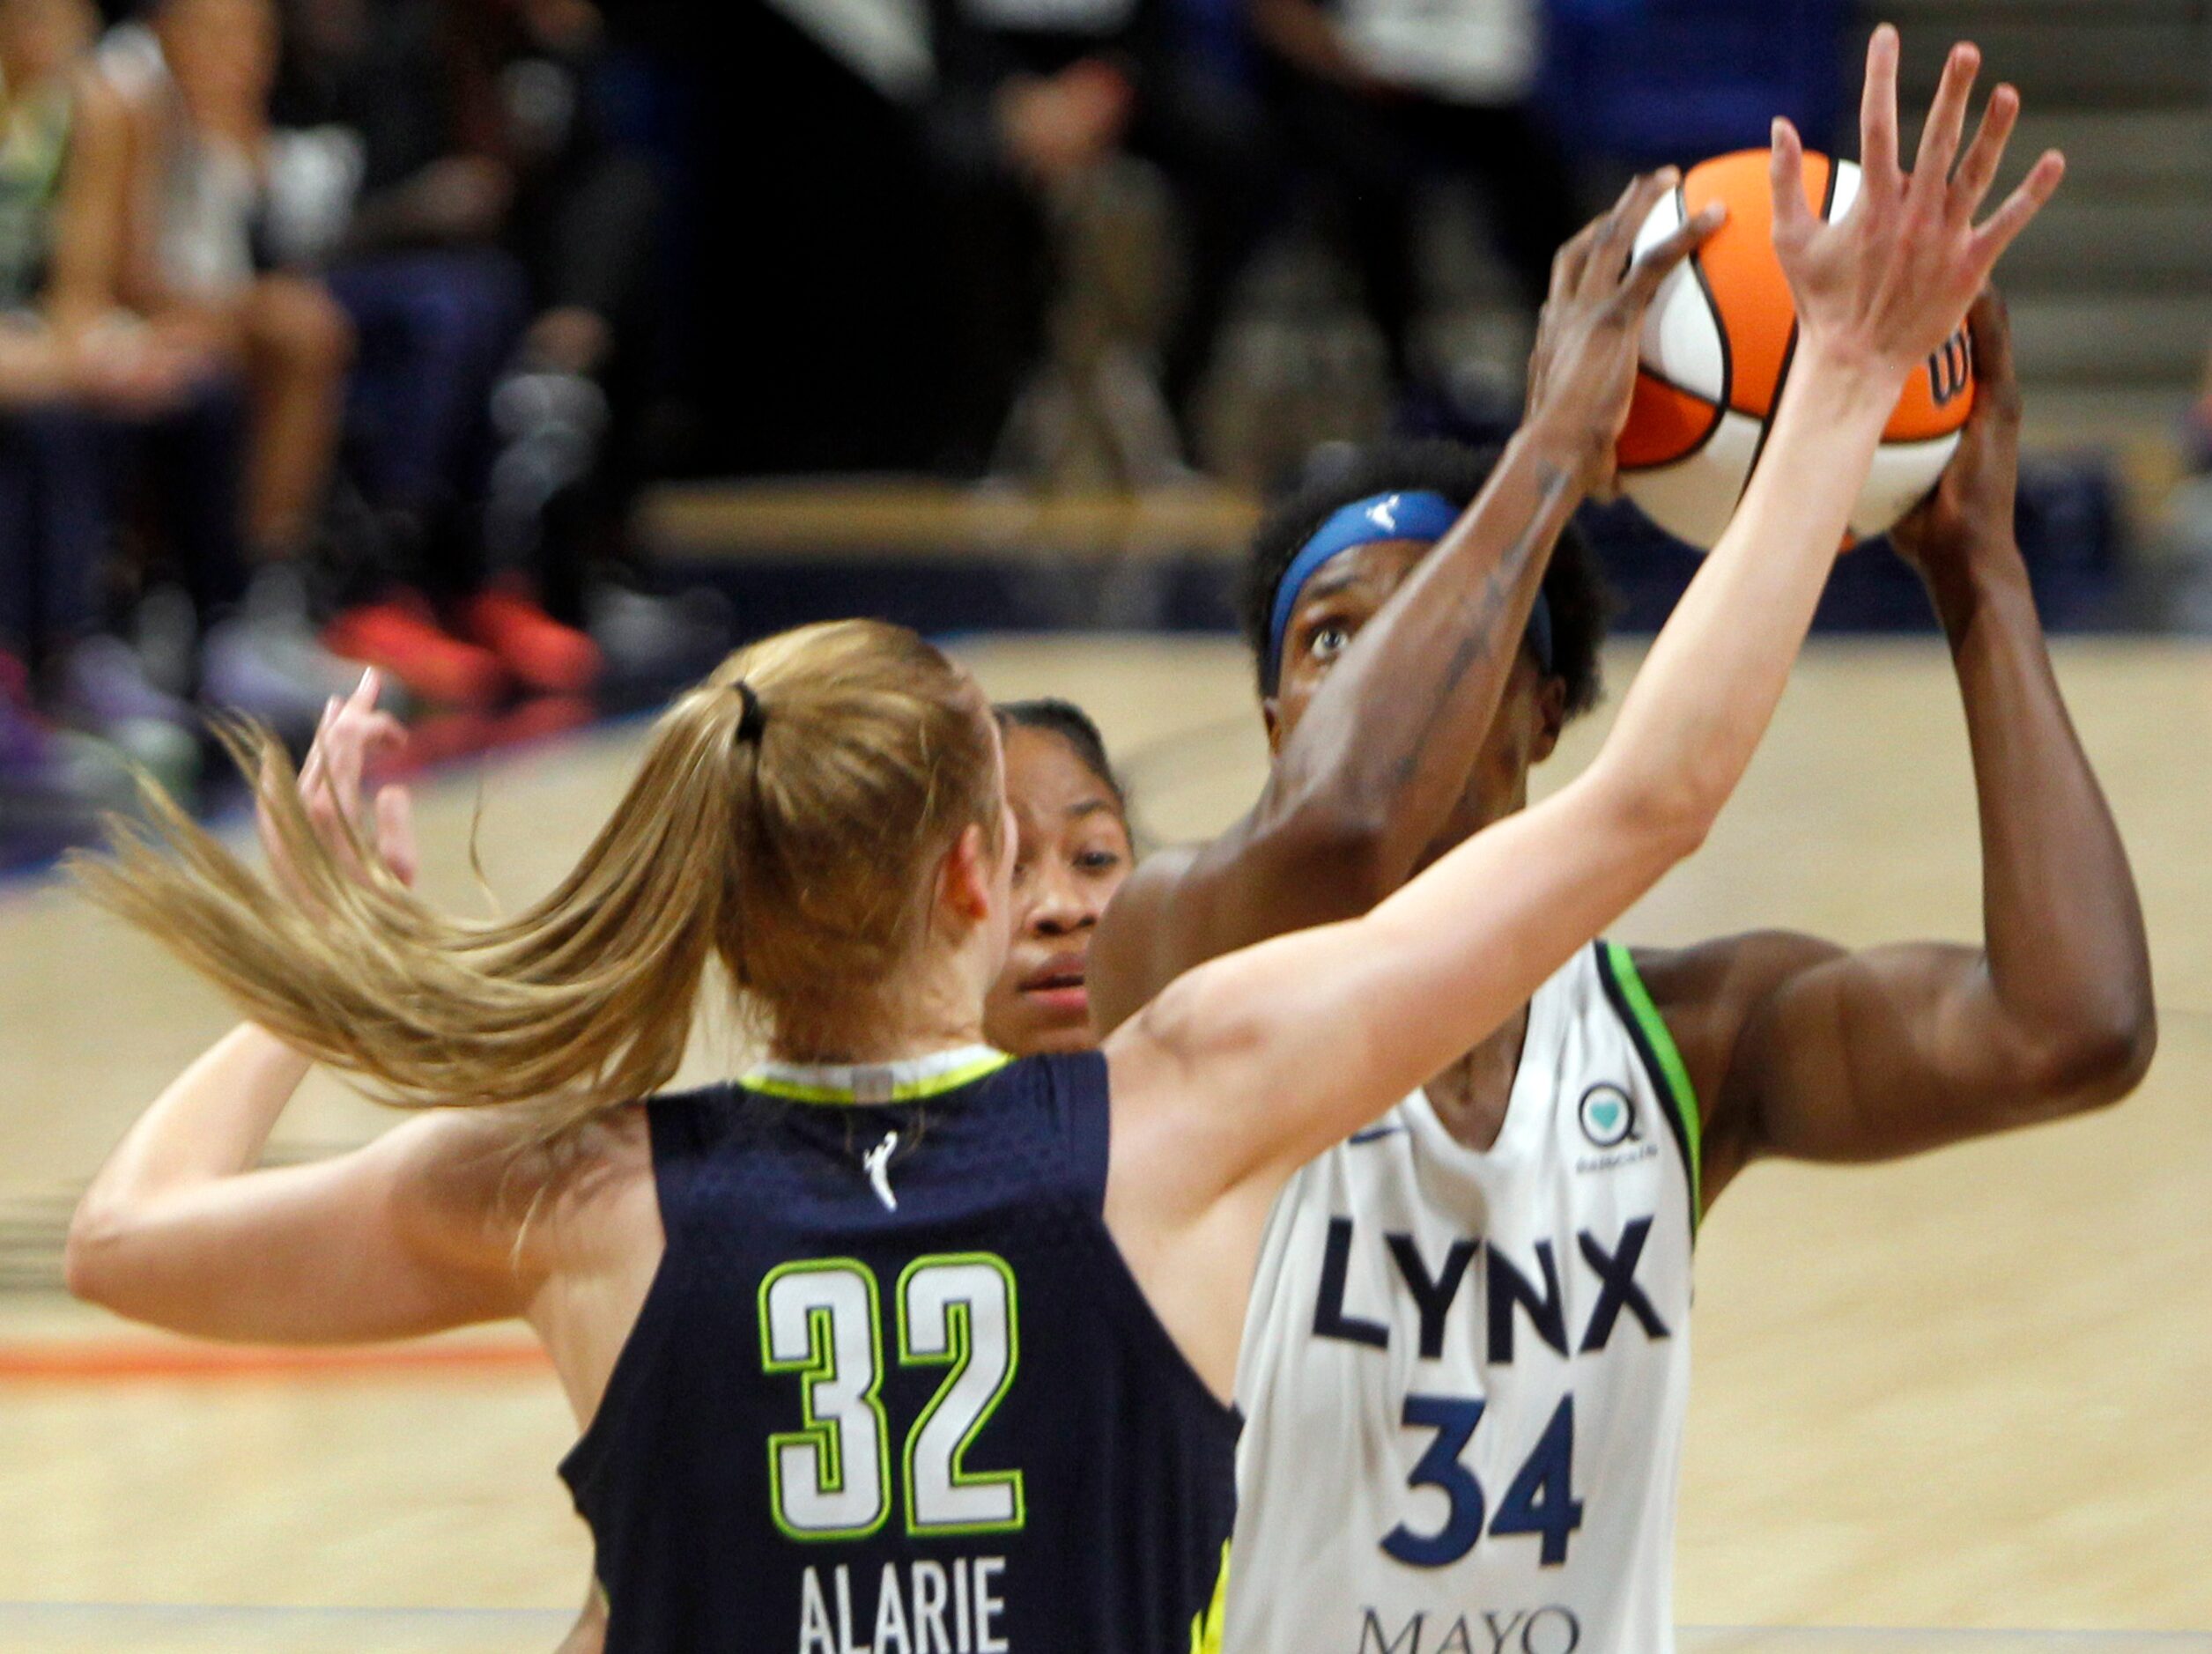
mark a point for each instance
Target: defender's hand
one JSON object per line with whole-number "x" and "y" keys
{"x": 1887, "y": 285}
{"x": 1971, "y": 511}
{"x": 1584, "y": 367}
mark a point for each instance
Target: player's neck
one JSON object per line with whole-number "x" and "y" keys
{"x": 931, "y": 1006}
{"x": 1471, "y": 1095}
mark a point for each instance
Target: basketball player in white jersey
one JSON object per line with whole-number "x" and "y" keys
{"x": 1466, "y": 1368}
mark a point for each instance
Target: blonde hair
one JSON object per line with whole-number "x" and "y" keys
{"x": 798, "y": 847}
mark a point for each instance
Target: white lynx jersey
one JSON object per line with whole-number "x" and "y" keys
{"x": 1464, "y": 1375}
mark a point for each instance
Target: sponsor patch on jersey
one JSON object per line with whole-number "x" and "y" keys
{"x": 1607, "y": 1116}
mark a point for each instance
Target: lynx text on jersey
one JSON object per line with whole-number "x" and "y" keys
{"x": 1434, "y": 1289}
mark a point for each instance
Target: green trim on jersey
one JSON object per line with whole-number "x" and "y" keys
{"x": 1633, "y": 1000}
{"x": 771, "y": 1080}
{"x": 1205, "y": 1627}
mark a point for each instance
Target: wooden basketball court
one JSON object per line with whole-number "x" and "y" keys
{"x": 1963, "y": 1394}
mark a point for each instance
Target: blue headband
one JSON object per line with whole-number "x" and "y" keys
{"x": 1423, "y": 515}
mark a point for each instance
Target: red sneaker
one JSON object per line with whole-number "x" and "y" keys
{"x": 546, "y": 655}
{"x": 400, "y": 636}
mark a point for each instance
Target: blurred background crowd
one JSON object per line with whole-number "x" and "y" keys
{"x": 346, "y": 331}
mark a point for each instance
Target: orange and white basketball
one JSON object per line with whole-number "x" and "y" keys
{"x": 1717, "y": 346}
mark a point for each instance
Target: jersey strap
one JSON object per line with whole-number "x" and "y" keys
{"x": 1633, "y": 1002}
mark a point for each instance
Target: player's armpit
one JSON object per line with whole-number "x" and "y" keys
{"x": 1705, "y": 995}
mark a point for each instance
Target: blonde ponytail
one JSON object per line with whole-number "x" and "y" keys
{"x": 789, "y": 830}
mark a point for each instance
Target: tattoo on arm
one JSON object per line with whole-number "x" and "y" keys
{"x": 1483, "y": 607}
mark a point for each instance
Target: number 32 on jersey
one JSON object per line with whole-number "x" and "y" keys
{"x": 822, "y": 1319}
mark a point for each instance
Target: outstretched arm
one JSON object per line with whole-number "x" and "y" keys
{"x": 181, "y": 1229}
{"x": 1365, "y": 783}
{"x": 1810, "y": 1052}
{"x": 1296, "y": 1042}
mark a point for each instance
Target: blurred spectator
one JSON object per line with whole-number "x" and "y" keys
{"x": 1033, "y": 98}
{"x": 221, "y": 193}
{"x": 1645, "y": 82}
{"x": 217, "y": 244}
{"x": 73, "y": 370}
{"x": 585, "y": 223}
{"x": 1379, "y": 96}
{"x": 426, "y": 270}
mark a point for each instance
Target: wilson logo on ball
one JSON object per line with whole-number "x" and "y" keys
{"x": 1950, "y": 371}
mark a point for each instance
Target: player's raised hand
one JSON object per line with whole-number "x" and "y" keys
{"x": 352, "y": 732}
{"x": 1583, "y": 370}
{"x": 1894, "y": 276}
{"x": 1969, "y": 514}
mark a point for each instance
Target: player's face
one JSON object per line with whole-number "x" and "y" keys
{"x": 1338, "y": 603}
{"x": 1073, "y": 853}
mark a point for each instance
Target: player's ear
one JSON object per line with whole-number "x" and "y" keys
{"x": 1271, "y": 715}
{"x": 965, "y": 885}
{"x": 1551, "y": 717}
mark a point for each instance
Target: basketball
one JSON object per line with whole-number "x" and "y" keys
{"x": 1717, "y": 346}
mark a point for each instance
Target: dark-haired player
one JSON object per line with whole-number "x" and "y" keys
{"x": 1073, "y": 852}
{"x": 1466, "y": 1367}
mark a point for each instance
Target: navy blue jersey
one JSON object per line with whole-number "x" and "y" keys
{"x": 894, "y": 1391}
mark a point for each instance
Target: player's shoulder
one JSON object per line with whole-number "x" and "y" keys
{"x": 1156, "y": 879}
{"x": 496, "y": 1181}
{"x": 1707, "y": 991}
{"x": 1716, "y": 973}
{"x": 1133, "y": 954}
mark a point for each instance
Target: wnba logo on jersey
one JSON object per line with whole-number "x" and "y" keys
{"x": 1952, "y": 369}
{"x": 1607, "y": 1116}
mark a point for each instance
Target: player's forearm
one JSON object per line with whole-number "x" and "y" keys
{"x": 1368, "y": 780}
{"x": 2069, "y": 961}
{"x": 1389, "y": 740}
{"x": 212, "y": 1121}
{"x": 1707, "y": 693}
{"x": 1458, "y": 948}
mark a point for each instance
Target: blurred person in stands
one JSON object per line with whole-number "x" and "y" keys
{"x": 75, "y": 371}
{"x": 218, "y": 193}
{"x": 1378, "y": 97}
{"x": 584, "y": 223}
{"x": 259, "y": 229}
{"x": 496, "y": 265}
{"x": 1034, "y": 100}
